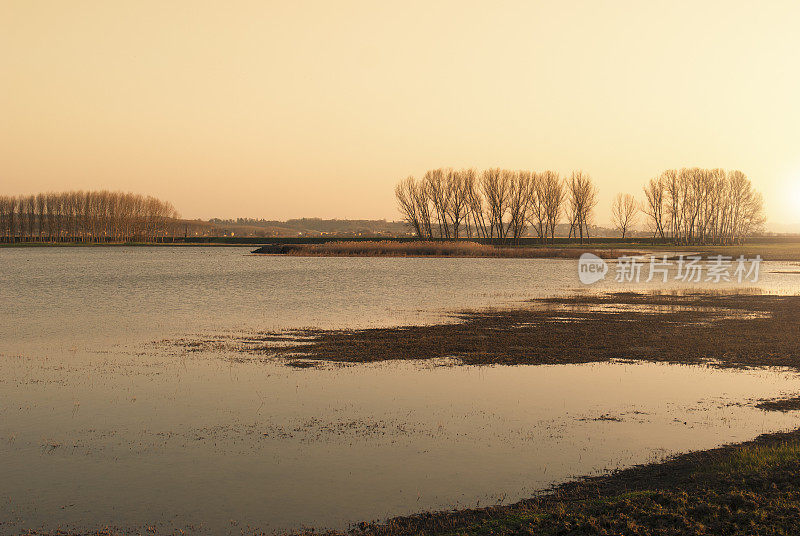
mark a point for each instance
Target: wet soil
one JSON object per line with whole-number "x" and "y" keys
{"x": 730, "y": 330}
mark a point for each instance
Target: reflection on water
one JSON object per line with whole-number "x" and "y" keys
{"x": 130, "y": 440}
{"x": 100, "y": 426}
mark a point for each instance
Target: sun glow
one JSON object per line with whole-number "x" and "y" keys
{"x": 793, "y": 195}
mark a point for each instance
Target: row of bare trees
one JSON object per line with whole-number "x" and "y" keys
{"x": 496, "y": 203}
{"x": 624, "y": 212}
{"x": 703, "y": 206}
{"x": 96, "y": 216}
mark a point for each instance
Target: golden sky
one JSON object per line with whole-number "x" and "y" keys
{"x": 290, "y": 109}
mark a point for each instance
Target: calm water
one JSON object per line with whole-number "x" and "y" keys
{"x": 101, "y": 425}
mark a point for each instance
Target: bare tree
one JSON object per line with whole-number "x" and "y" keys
{"x": 40, "y": 208}
{"x": 582, "y": 201}
{"x": 423, "y": 209}
{"x": 85, "y": 216}
{"x": 687, "y": 206}
{"x": 405, "y": 194}
{"x": 7, "y": 209}
{"x": 458, "y": 206}
{"x": 672, "y": 191}
{"x": 538, "y": 206}
{"x": 701, "y": 206}
{"x": 623, "y": 212}
{"x": 476, "y": 205}
{"x": 654, "y": 205}
{"x": 495, "y": 186}
{"x": 552, "y": 188}
{"x": 520, "y": 191}
{"x": 440, "y": 196}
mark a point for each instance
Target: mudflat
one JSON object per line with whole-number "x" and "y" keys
{"x": 731, "y": 330}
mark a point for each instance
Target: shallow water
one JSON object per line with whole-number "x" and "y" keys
{"x": 75, "y": 296}
{"x": 106, "y": 440}
{"x": 99, "y": 425}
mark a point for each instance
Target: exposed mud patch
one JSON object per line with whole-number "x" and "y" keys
{"x": 736, "y": 330}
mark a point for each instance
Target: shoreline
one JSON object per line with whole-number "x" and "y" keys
{"x": 769, "y": 251}
{"x": 466, "y": 248}
{"x": 22, "y": 245}
{"x": 746, "y": 488}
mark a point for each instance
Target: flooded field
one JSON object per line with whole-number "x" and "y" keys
{"x": 101, "y": 423}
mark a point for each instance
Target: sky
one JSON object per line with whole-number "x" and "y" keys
{"x": 316, "y": 109}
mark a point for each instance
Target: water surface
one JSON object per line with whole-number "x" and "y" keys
{"x": 101, "y": 425}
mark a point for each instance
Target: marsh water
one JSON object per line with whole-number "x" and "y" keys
{"x": 104, "y": 422}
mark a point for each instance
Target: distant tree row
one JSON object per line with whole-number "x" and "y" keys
{"x": 97, "y": 216}
{"x": 687, "y": 206}
{"x": 496, "y": 203}
{"x": 703, "y": 206}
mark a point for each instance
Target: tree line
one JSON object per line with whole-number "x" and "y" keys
{"x": 687, "y": 206}
{"x": 496, "y": 203}
{"x": 94, "y": 216}
{"x": 703, "y": 206}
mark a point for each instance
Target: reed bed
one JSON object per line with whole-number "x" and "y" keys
{"x": 388, "y": 248}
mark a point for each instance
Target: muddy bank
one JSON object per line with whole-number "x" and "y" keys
{"x": 733, "y": 330}
{"x": 780, "y": 404}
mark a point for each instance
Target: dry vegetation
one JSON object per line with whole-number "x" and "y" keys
{"x": 387, "y": 248}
